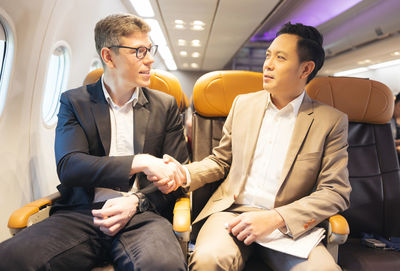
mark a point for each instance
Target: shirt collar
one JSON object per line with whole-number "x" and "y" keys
{"x": 132, "y": 100}
{"x": 294, "y": 104}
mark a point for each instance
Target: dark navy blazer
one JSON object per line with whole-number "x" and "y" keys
{"x": 83, "y": 138}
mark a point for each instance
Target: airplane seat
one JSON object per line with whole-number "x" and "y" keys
{"x": 213, "y": 95}
{"x": 38, "y": 210}
{"x": 93, "y": 76}
{"x": 373, "y": 168}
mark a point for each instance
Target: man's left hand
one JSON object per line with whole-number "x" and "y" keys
{"x": 250, "y": 226}
{"x": 115, "y": 214}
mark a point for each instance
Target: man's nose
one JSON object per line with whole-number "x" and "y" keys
{"x": 148, "y": 58}
{"x": 268, "y": 64}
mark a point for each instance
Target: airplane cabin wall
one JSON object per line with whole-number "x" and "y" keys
{"x": 27, "y": 166}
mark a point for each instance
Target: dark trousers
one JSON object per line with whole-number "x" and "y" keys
{"x": 68, "y": 240}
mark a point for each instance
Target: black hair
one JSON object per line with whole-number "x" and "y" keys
{"x": 309, "y": 46}
{"x": 397, "y": 99}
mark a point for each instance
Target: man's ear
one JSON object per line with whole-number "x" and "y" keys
{"x": 306, "y": 68}
{"x": 107, "y": 57}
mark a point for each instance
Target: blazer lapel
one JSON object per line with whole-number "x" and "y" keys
{"x": 101, "y": 114}
{"x": 301, "y": 128}
{"x": 141, "y": 117}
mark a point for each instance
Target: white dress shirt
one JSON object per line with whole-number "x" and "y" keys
{"x": 122, "y": 132}
{"x": 273, "y": 142}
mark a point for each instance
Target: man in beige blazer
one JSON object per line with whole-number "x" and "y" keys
{"x": 284, "y": 157}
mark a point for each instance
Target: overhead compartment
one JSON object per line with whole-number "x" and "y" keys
{"x": 365, "y": 23}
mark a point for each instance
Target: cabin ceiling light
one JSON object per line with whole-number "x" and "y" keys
{"x": 143, "y": 8}
{"x": 183, "y": 53}
{"x": 363, "y": 62}
{"x": 181, "y": 42}
{"x": 385, "y": 64}
{"x": 185, "y": 65}
{"x": 168, "y": 58}
{"x": 197, "y": 25}
{"x": 352, "y": 71}
{"x": 397, "y": 53}
{"x": 179, "y": 24}
{"x": 194, "y": 65}
{"x": 371, "y": 67}
{"x": 198, "y": 22}
{"x": 157, "y": 36}
{"x": 195, "y": 54}
{"x": 196, "y": 43}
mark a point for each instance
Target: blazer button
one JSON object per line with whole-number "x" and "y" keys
{"x": 313, "y": 220}
{"x": 306, "y": 226}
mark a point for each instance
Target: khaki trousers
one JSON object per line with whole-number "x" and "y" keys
{"x": 216, "y": 249}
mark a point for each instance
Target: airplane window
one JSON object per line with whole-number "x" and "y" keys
{"x": 6, "y": 54}
{"x": 96, "y": 64}
{"x": 2, "y": 49}
{"x": 56, "y": 83}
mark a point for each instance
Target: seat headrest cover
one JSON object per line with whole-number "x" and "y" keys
{"x": 159, "y": 80}
{"x": 93, "y": 76}
{"x": 363, "y": 100}
{"x": 214, "y": 92}
{"x": 168, "y": 83}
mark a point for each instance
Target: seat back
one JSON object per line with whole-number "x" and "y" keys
{"x": 213, "y": 95}
{"x": 159, "y": 80}
{"x": 373, "y": 163}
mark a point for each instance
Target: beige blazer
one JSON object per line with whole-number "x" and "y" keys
{"x": 314, "y": 178}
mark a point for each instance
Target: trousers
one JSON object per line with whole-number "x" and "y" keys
{"x": 217, "y": 250}
{"x": 68, "y": 240}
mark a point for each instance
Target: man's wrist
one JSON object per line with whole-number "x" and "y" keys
{"x": 282, "y": 227}
{"x": 143, "y": 203}
{"x": 188, "y": 180}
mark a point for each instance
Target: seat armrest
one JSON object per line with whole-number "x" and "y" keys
{"x": 181, "y": 221}
{"x": 31, "y": 213}
{"x": 338, "y": 229}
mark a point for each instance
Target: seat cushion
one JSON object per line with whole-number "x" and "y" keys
{"x": 355, "y": 256}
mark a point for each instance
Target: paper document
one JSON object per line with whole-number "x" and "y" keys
{"x": 301, "y": 247}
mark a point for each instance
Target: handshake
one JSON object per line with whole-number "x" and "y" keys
{"x": 167, "y": 174}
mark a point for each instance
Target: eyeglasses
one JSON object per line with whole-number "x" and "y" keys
{"x": 141, "y": 51}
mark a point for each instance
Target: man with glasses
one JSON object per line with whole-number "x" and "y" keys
{"x": 108, "y": 137}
